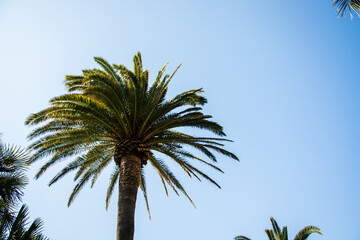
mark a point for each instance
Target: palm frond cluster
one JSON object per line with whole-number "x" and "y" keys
{"x": 12, "y": 177}
{"x": 282, "y": 234}
{"x": 13, "y": 225}
{"x": 112, "y": 112}
{"x": 12, "y": 182}
{"x": 347, "y": 6}
{"x": 19, "y": 228}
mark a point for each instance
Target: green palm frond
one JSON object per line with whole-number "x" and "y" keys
{"x": 347, "y": 6}
{"x": 113, "y": 179}
{"x": 284, "y": 233}
{"x": 271, "y": 235}
{"x": 19, "y": 230}
{"x": 276, "y": 229}
{"x": 241, "y": 238}
{"x": 143, "y": 188}
{"x": 7, "y": 216}
{"x": 165, "y": 174}
{"x": 306, "y": 231}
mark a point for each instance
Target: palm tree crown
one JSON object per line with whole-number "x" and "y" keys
{"x": 115, "y": 115}
{"x": 347, "y": 6}
{"x": 277, "y": 234}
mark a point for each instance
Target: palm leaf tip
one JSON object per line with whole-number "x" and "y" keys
{"x": 275, "y": 226}
{"x": 347, "y": 6}
{"x": 241, "y": 238}
{"x": 307, "y": 231}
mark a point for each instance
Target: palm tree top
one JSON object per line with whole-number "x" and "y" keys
{"x": 113, "y": 112}
{"x": 276, "y": 233}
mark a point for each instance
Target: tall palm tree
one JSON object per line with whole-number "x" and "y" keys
{"x": 113, "y": 115}
{"x": 277, "y": 234}
{"x": 347, "y": 6}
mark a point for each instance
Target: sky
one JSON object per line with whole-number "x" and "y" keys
{"x": 282, "y": 77}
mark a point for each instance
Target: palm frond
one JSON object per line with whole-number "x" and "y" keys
{"x": 169, "y": 177}
{"x": 347, "y": 6}
{"x": 113, "y": 179}
{"x": 306, "y": 231}
{"x": 270, "y": 234}
{"x": 276, "y": 228}
{"x": 241, "y": 238}
{"x": 143, "y": 188}
{"x": 18, "y": 230}
{"x": 188, "y": 168}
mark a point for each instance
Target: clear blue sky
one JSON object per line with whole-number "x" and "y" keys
{"x": 282, "y": 77}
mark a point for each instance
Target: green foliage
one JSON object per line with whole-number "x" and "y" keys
{"x": 12, "y": 182}
{"x": 306, "y": 231}
{"x": 19, "y": 230}
{"x": 13, "y": 163}
{"x": 347, "y": 6}
{"x": 277, "y": 234}
{"x": 242, "y": 238}
{"x": 12, "y": 178}
{"x": 111, "y": 112}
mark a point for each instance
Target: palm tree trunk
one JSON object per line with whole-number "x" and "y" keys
{"x": 130, "y": 170}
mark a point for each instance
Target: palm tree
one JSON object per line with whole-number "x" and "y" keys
{"x": 345, "y": 6}
{"x": 277, "y": 234}
{"x": 114, "y": 115}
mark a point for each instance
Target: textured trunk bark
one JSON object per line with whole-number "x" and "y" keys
{"x": 130, "y": 170}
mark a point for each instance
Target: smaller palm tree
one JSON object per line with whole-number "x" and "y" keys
{"x": 277, "y": 234}
{"x": 347, "y": 6}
